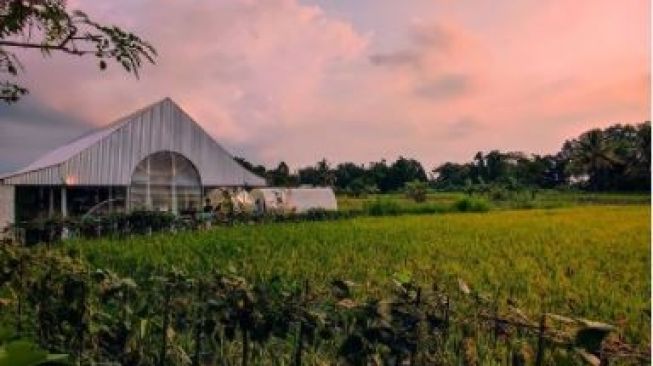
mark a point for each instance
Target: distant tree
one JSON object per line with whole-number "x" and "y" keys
{"x": 308, "y": 175}
{"x": 478, "y": 167}
{"x": 356, "y": 187}
{"x": 452, "y": 175}
{"x": 639, "y": 168}
{"x": 348, "y": 173}
{"x": 643, "y": 144}
{"x": 326, "y": 176}
{"x": 615, "y": 158}
{"x": 48, "y": 26}
{"x": 501, "y": 168}
{"x": 280, "y": 176}
{"x": 632, "y": 146}
{"x": 360, "y": 188}
{"x": 592, "y": 156}
{"x": 256, "y": 169}
{"x": 319, "y": 175}
{"x": 379, "y": 175}
{"x": 469, "y": 188}
{"x": 416, "y": 190}
{"x": 403, "y": 171}
{"x": 496, "y": 166}
{"x": 546, "y": 171}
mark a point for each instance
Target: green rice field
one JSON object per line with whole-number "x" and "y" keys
{"x": 589, "y": 261}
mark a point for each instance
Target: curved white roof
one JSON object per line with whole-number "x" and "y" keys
{"x": 109, "y": 155}
{"x": 297, "y": 199}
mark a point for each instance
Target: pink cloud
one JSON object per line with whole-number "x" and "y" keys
{"x": 281, "y": 80}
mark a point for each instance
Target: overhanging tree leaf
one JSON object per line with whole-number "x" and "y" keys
{"x": 25, "y": 353}
{"x": 48, "y": 26}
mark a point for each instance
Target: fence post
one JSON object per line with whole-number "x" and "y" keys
{"x": 245, "y": 348}
{"x": 297, "y": 359}
{"x": 540, "y": 341}
{"x": 164, "y": 339}
{"x": 80, "y": 325}
{"x": 446, "y": 317}
{"x": 495, "y": 311}
{"x": 300, "y": 344}
{"x": 199, "y": 323}
{"x": 19, "y": 298}
{"x": 418, "y": 330}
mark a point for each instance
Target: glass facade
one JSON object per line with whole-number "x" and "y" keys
{"x": 165, "y": 181}
{"x": 41, "y": 202}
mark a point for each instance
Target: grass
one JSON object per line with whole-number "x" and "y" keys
{"x": 589, "y": 261}
{"x": 346, "y": 203}
{"x": 518, "y": 200}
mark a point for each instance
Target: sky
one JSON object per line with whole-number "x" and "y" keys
{"x": 302, "y": 80}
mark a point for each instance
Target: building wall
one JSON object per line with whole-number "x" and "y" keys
{"x": 7, "y": 200}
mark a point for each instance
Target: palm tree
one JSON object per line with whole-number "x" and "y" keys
{"x": 592, "y": 155}
{"x": 638, "y": 167}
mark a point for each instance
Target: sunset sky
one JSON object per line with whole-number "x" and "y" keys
{"x": 353, "y": 80}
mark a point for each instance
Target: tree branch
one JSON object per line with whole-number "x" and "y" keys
{"x": 66, "y": 32}
{"x": 47, "y": 47}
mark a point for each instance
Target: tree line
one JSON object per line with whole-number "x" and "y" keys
{"x": 616, "y": 158}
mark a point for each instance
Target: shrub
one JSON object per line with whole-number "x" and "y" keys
{"x": 430, "y": 208}
{"x": 499, "y": 193}
{"x": 145, "y": 221}
{"x": 382, "y": 207}
{"x": 471, "y": 204}
{"x": 88, "y": 227}
{"x": 523, "y": 202}
{"x": 416, "y": 190}
{"x": 320, "y": 214}
{"x": 359, "y": 188}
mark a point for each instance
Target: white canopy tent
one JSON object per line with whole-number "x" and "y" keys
{"x": 298, "y": 200}
{"x": 157, "y": 158}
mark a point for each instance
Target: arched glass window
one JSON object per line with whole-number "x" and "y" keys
{"x": 165, "y": 181}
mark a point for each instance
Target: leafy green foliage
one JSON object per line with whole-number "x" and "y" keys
{"x": 25, "y": 353}
{"x": 61, "y": 30}
{"x": 614, "y": 158}
{"x": 416, "y": 190}
{"x": 180, "y": 319}
{"x": 382, "y": 207}
{"x": 357, "y": 180}
{"x": 178, "y": 298}
{"x": 532, "y": 255}
{"x": 472, "y": 204}
{"x": 119, "y": 225}
{"x": 319, "y": 175}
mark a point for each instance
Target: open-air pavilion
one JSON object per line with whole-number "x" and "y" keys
{"x": 157, "y": 158}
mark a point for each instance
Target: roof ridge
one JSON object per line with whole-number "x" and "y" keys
{"x": 42, "y": 161}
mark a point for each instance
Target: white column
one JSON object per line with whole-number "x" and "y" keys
{"x": 64, "y": 202}
{"x": 7, "y": 205}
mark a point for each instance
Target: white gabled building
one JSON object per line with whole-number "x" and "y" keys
{"x": 157, "y": 158}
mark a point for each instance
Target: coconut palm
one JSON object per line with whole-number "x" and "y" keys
{"x": 592, "y": 155}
